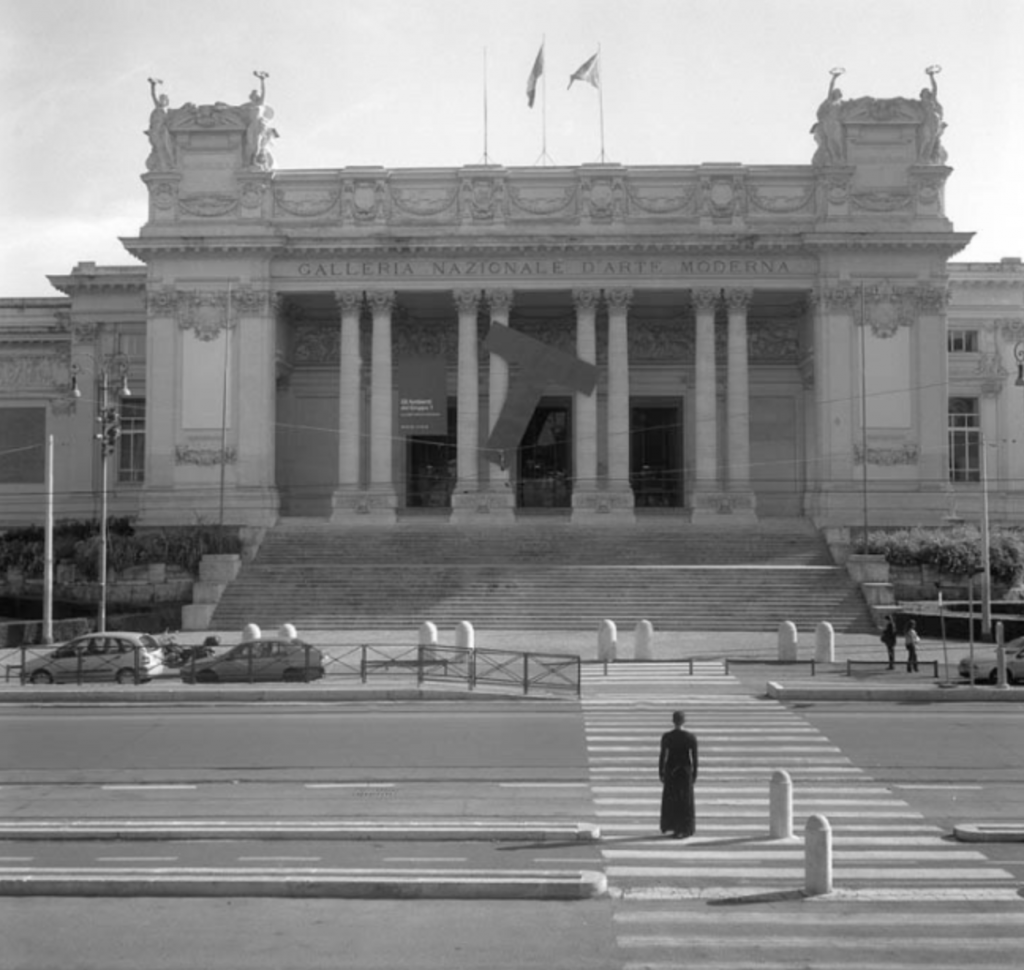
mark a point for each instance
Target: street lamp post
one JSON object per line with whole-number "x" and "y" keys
{"x": 109, "y": 420}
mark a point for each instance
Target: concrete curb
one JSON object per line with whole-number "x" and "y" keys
{"x": 398, "y": 830}
{"x": 247, "y": 695}
{"x": 990, "y": 832}
{"x": 921, "y": 695}
{"x": 308, "y": 883}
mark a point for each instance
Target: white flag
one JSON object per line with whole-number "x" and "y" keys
{"x": 588, "y": 72}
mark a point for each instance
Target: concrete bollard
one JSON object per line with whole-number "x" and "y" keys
{"x": 787, "y": 641}
{"x": 643, "y": 638}
{"x": 428, "y": 634}
{"x": 250, "y": 632}
{"x": 465, "y": 635}
{"x": 824, "y": 643}
{"x": 607, "y": 641}
{"x": 780, "y": 806}
{"x": 817, "y": 856}
{"x": 288, "y": 632}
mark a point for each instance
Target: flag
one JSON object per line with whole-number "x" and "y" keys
{"x": 538, "y": 70}
{"x": 587, "y": 72}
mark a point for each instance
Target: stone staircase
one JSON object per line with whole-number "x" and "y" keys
{"x": 543, "y": 574}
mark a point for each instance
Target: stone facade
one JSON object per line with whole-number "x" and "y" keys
{"x": 768, "y": 340}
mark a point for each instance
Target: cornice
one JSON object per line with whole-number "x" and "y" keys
{"x": 949, "y": 242}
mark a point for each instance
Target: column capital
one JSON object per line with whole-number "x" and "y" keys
{"x": 381, "y": 301}
{"x": 349, "y": 300}
{"x": 499, "y": 300}
{"x": 619, "y": 298}
{"x": 705, "y": 298}
{"x": 737, "y": 298}
{"x": 250, "y": 301}
{"x": 586, "y": 299}
{"x": 467, "y": 301}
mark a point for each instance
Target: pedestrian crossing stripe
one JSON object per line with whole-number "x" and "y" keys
{"x": 885, "y": 855}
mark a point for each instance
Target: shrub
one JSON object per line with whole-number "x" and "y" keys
{"x": 957, "y": 552}
{"x": 182, "y": 546}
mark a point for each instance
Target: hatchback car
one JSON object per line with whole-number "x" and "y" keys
{"x": 986, "y": 667}
{"x": 269, "y": 658}
{"x": 127, "y": 658}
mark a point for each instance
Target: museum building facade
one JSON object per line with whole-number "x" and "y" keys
{"x": 730, "y": 342}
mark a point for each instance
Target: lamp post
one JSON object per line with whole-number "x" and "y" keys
{"x": 109, "y": 420}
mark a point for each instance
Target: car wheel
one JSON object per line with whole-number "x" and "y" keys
{"x": 207, "y": 677}
{"x": 41, "y": 677}
{"x": 126, "y": 676}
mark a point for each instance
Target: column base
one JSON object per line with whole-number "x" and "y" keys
{"x": 364, "y": 508}
{"x": 724, "y": 508}
{"x": 606, "y": 507}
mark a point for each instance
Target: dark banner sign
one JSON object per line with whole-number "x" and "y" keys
{"x": 422, "y": 396}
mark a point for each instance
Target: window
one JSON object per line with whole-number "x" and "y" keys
{"x": 962, "y": 341}
{"x": 964, "y": 440}
{"x": 131, "y": 455}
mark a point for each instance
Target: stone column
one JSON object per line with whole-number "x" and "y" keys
{"x": 619, "y": 491}
{"x": 500, "y": 493}
{"x": 381, "y": 500}
{"x": 741, "y": 495}
{"x": 706, "y": 492}
{"x": 584, "y": 493}
{"x": 465, "y": 498}
{"x": 346, "y": 495}
{"x": 255, "y": 335}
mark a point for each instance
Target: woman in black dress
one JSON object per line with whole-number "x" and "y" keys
{"x": 677, "y": 769}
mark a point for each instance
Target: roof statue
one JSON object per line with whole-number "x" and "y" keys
{"x": 161, "y": 158}
{"x": 922, "y": 118}
{"x": 250, "y": 120}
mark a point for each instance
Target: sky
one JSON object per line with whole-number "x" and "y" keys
{"x": 401, "y": 83}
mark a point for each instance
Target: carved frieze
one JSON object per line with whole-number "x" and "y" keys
{"x": 316, "y": 344}
{"x": 162, "y": 301}
{"x": 604, "y": 199}
{"x": 248, "y": 301}
{"x": 661, "y": 340}
{"x": 780, "y": 199}
{"x": 208, "y": 206}
{"x": 880, "y": 201}
{"x": 83, "y": 332}
{"x": 425, "y": 203}
{"x": 365, "y": 200}
{"x": 306, "y": 203}
{"x": 426, "y": 338}
{"x": 206, "y": 312}
{"x": 191, "y": 455}
{"x": 663, "y": 204}
{"x": 1011, "y": 328}
{"x": 543, "y": 203}
{"x": 482, "y": 200}
{"x": 31, "y": 371}
{"x": 907, "y": 454}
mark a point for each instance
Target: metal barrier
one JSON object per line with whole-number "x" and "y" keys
{"x": 850, "y": 664}
{"x": 753, "y": 661}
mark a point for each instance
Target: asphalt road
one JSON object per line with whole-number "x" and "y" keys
{"x": 951, "y": 764}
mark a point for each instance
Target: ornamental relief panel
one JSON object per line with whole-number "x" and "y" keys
{"x": 191, "y": 455}
{"x": 33, "y": 371}
{"x": 315, "y": 344}
{"x": 906, "y": 454}
{"x": 419, "y": 338}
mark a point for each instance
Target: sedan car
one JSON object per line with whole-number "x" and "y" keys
{"x": 986, "y": 667}
{"x": 269, "y": 658}
{"x": 127, "y": 658}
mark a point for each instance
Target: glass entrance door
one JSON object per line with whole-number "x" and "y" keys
{"x": 656, "y": 446}
{"x": 431, "y": 468}
{"x": 545, "y": 457}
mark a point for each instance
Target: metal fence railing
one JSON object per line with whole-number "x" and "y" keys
{"x": 525, "y": 671}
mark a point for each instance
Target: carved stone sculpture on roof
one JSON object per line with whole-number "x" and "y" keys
{"x": 161, "y": 156}
{"x": 836, "y": 115}
{"x": 828, "y": 129}
{"x": 258, "y": 132}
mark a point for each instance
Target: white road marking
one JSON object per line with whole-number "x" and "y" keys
{"x": 153, "y": 787}
{"x": 136, "y": 858}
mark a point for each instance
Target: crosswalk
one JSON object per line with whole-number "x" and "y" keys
{"x": 732, "y": 897}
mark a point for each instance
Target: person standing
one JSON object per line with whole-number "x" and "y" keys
{"x": 889, "y": 639}
{"x": 911, "y": 639}
{"x": 677, "y": 769}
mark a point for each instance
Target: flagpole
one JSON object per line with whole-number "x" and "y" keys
{"x": 487, "y": 160}
{"x": 544, "y": 103}
{"x": 600, "y": 96}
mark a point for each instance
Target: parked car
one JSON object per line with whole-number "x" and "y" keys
{"x": 986, "y": 668}
{"x": 268, "y": 658}
{"x": 127, "y": 658}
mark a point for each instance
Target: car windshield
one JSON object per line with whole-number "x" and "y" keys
{"x": 148, "y": 642}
